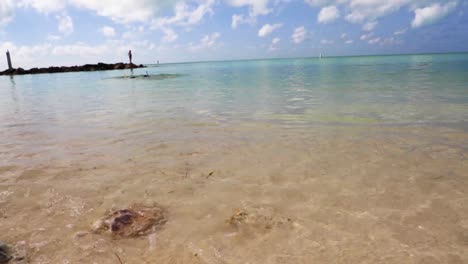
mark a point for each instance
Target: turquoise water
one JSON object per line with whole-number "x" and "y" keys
{"x": 377, "y": 90}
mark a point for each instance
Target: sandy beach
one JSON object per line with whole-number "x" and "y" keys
{"x": 334, "y": 194}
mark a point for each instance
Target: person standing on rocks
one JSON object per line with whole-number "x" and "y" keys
{"x": 130, "y": 56}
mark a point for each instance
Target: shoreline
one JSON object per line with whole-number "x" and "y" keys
{"x": 83, "y": 68}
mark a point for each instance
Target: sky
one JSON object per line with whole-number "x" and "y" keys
{"x": 40, "y": 33}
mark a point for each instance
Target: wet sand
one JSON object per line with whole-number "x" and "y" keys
{"x": 332, "y": 194}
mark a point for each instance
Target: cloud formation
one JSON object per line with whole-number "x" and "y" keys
{"x": 256, "y": 7}
{"x": 65, "y": 24}
{"x": 431, "y": 14}
{"x": 186, "y": 15}
{"x": 299, "y": 35}
{"x": 274, "y": 44}
{"x": 6, "y": 11}
{"x": 208, "y": 41}
{"x": 267, "y": 29}
{"x": 108, "y": 31}
{"x": 328, "y": 14}
{"x": 368, "y": 11}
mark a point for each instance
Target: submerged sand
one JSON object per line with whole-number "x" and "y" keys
{"x": 245, "y": 193}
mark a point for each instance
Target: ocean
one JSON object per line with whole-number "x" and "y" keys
{"x": 331, "y": 160}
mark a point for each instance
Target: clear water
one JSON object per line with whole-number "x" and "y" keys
{"x": 377, "y": 90}
{"x": 338, "y": 160}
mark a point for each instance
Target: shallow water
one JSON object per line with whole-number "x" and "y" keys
{"x": 338, "y": 160}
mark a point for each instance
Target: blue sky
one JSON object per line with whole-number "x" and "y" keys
{"x": 68, "y": 32}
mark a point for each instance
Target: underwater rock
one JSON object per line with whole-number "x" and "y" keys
{"x": 137, "y": 220}
{"x": 257, "y": 218}
{"x": 5, "y": 254}
{"x": 156, "y": 77}
{"x": 16, "y": 254}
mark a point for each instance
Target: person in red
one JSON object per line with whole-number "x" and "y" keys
{"x": 130, "y": 56}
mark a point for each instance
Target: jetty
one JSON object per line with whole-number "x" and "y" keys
{"x": 87, "y": 67}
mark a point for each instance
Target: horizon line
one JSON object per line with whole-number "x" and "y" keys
{"x": 313, "y": 57}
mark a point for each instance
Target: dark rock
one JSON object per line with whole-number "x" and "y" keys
{"x": 119, "y": 66}
{"x": 8, "y": 72}
{"x": 19, "y": 71}
{"x": 87, "y": 67}
{"x": 5, "y": 253}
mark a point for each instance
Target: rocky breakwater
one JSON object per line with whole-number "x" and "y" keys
{"x": 87, "y": 67}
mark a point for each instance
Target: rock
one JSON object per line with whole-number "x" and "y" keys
{"x": 119, "y": 66}
{"x": 5, "y": 253}
{"x": 8, "y": 72}
{"x": 16, "y": 254}
{"x": 137, "y": 220}
{"x": 87, "y": 67}
{"x": 257, "y": 219}
{"x": 19, "y": 71}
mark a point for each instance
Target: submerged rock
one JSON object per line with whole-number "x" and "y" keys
{"x": 257, "y": 218}
{"x": 5, "y": 253}
{"x": 16, "y": 254}
{"x": 137, "y": 220}
{"x": 161, "y": 76}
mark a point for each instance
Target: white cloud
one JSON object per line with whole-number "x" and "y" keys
{"x": 299, "y": 35}
{"x": 6, "y": 11}
{"x": 208, "y": 41}
{"x": 108, "y": 31}
{"x": 390, "y": 41}
{"x": 52, "y": 37}
{"x": 256, "y": 7}
{"x": 122, "y": 11}
{"x": 186, "y": 15}
{"x": 241, "y": 19}
{"x": 359, "y": 11}
{"x": 374, "y": 41}
{"x": 65, "y": 24}
{"x": 365, "y": 11}
{"x": 328, "y": 14}
{"x": 169, "y": 35}
{"x": 267, "y": 29}
{"x": 43, "y": 6}
{"x": 400, "y": 32}
{"x": 125, "y": 11}
{"x": 326, "y": 41}
{"x": 25, "y": 56}
{"x": 349, "y": 42}
{"x": 46, "y": 54}
{"x": 366, "y": 36}
{"x": 134, "y": 33}
{"x": 343, "y": 36}
{"x": 369, "y": 26}
{"x": 236, "y": 20}
{"x": 274, "y": 44}
{"x": 432, "y": 13}
{"x": 79, "y": 49}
